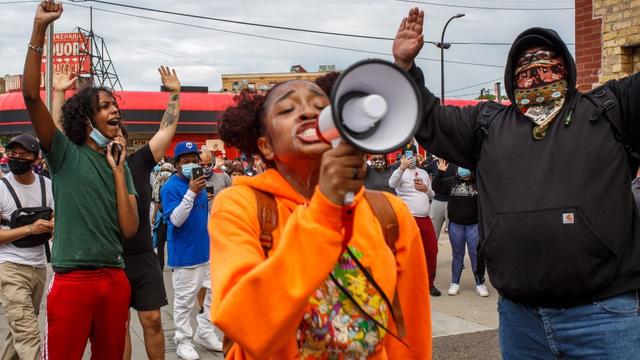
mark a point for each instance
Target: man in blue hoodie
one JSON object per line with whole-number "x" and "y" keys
{"x": 184, "y": 201}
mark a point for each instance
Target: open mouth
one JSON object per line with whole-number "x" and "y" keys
{"x": 307, "y": 133}
{"x": 113, "y": 122}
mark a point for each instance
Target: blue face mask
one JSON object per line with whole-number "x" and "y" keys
{"x": 462, "y": 172}
{"x": 101, "y": 140}
{"x": 187, "y": 168}
{"x": 156, "y": 168}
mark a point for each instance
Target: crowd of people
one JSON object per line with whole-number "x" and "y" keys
{"x": 274, "y": 252}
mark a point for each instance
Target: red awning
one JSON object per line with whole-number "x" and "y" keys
{"x": 141, "y": 100}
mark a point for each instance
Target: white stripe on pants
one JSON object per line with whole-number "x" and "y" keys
{"x": 186, "y": 284}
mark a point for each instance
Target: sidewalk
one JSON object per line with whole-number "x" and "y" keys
{"x": 458, "y": 321}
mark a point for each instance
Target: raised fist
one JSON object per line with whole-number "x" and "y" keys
{"x": 48, "y": 12}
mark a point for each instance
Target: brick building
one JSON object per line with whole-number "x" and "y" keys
{"x": 607, "y": 40}
{"x": 264, "y": 81}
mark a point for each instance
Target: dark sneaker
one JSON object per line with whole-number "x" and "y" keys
{"x": 434, "y": 291}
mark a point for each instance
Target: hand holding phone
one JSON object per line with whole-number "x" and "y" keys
{"x": 116, "y": 150}
{"x": 197, "y": 173}
{"x": 209, "y": 190}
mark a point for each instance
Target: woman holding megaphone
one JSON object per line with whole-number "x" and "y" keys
{"x": 297, "y": 274}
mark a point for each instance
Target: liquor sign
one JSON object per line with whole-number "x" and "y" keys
{"x": 71, "y": 49}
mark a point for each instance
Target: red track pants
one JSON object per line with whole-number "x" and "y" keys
{"x": 87, "y": 305}
{"x": 430, "y": 245}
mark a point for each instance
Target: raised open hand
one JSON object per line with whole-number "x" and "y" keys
{"x": 169, "y": 79}
{"x": 443, "y": 165}
{"x": 64, "y": 78}
{"x": 409, "y": 39}
{"x": 48, "y": 12}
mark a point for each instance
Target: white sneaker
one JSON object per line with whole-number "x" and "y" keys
{"x": 186, "y": 351}
{"x": 482, "y": 290}
{"x": 210, "y": 342}
{"x": 454, "y": 289}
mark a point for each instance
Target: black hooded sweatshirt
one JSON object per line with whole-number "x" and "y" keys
{"x": 557, "y": 227}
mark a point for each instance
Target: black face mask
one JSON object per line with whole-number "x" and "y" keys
{"x": 19, "y": 167}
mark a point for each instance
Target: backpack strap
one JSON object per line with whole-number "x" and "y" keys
{"x": 13, "y": 193}
{"x": 43, "y": 191}
{"x": 383, "y": 211}
{"x": 268, "y": 218}
{"x": 484, "y": 120}
{"x": 607, "y": 104}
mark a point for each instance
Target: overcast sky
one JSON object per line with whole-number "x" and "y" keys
{"x": 137, "y": 46}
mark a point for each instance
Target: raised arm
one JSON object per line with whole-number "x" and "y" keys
{"x": 161, "y": 141}
{"x": 447, "y": 131}
{"x": 43, "y": 124}
{"x": 62, "y": 81}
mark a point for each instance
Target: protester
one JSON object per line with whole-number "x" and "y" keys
{"x": 145, "y": 275}
{"x": 378, "y": 174}
{"x": 294, "y": 278}
{"x": 463, "y": 223}
{"x": 159, "y": 224}
{"x": 561, "y": 249}
{"x": 216, "y": 179}
{"x": 438, "y": 210}
{"x": 184, "y": 201}
{"x": 23, "y": 265}
{"x": 235, "y": 171}
{"x": 413, "y": 186}
{"x": 95, "y": 209}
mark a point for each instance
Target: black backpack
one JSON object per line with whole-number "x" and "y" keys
{"x": 606, "y": 104}
{"x": 27, "y": 216}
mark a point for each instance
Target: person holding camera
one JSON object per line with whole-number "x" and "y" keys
{"x": 28, "y": 197}
{"x": 185, "y": 205}
{"x": 413, "y": 186}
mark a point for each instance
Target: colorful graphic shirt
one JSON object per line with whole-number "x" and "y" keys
{"x": 333, "y": 328}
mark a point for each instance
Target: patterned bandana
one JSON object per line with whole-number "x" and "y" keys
{"x": 540, "y": 89}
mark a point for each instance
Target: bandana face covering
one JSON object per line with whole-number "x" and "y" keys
{"x": 540, "y": 89}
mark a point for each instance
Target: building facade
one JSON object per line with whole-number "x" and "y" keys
{"x": 265, "y": 81}
{"x": 607, "y": 40}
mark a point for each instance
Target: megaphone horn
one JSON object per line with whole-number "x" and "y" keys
{"x": 375, "y": 106}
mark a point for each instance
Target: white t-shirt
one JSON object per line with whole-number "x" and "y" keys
{"x": 404, "y": 183}
{"x": 29, "y": 196}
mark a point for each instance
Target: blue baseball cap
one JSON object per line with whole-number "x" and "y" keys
{"x": 185, "y": 147}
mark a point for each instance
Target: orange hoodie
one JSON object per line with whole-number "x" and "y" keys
{"x": 285, "y": 307}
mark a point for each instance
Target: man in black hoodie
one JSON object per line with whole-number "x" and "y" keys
{"x": 559, "y": 233}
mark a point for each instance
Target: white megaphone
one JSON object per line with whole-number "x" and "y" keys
{"x": 375, "y": 106}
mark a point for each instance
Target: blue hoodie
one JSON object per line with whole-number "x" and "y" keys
{"x": 188, "y": 244}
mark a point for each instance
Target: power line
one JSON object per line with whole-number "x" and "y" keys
{"x": 18, "y": 2}
{"x": 281, "y": 39}
{"x": 321, "y": 32}
{"x": 238, "y": 22}
{"x": 485, "y": 7}
{"x": 474, "y": 85}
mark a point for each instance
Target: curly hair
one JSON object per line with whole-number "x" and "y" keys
{"x": 79, "y": 108}
{"x": 326, "y": 82}
{"x": 242, "y": 124}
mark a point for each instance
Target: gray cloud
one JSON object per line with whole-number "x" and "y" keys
{"x": 139, "y": 46}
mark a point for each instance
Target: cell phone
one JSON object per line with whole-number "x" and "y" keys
{"x": 197, "y": 172}
{"x": 408, "y": 154}
{"x": 116, "y": 150}
{"x": 209, "y": 190}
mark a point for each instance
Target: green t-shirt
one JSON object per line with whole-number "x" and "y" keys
{"x": 87, "y": 234}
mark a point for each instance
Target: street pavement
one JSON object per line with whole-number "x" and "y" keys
{"x": 464, "y": 326}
